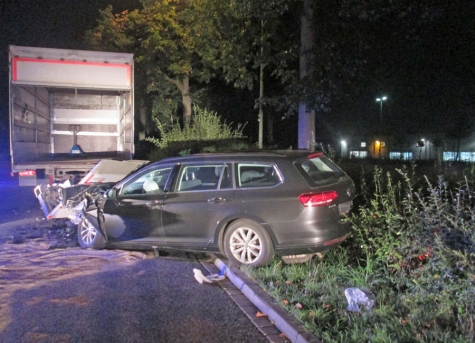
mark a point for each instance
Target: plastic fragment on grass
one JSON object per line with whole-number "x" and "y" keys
{"x": 359, "y": 296}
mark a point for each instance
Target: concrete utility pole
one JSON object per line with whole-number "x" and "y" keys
{"x": 306, "y": 125}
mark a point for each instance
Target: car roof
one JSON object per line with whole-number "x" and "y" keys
{"x": 241, "y": 155}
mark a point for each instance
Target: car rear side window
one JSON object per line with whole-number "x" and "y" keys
{"x": 319, "y": 169}
{"x": 256, "y": 175}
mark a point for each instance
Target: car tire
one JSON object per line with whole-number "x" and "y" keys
{"x": 237, "y": 245}
{"x": 89, "y": 236}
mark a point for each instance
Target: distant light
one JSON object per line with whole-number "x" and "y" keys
{"x": 381, "y": 99}
{"x": 343, "y": 142}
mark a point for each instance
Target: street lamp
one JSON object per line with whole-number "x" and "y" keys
{"x": 380, "y": 100}
{"x": 343, "y": 149}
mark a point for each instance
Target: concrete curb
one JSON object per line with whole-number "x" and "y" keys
{"x": 294, "y": 331}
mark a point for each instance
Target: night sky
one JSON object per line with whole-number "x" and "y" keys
{"x": 429, "y": 77}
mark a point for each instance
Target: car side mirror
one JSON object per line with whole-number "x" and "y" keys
{"x": 110, "y": 193}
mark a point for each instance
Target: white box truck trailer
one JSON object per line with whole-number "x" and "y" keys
{"x": 69, "y": 109}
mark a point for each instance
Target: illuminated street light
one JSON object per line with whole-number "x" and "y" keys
{"x": 380, "y": 100}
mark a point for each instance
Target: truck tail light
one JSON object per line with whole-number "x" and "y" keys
{"x": 318, "y": 199}
{"x": 27, "y": 173}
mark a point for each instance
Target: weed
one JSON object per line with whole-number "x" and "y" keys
{"x": 412, "y": 246}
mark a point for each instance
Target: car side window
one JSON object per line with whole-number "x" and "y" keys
{"x": 319, "y": 170}
{"x": 198, "y": 177}
{"x": 152, "y": 181}
{"x": 257, "y": 175}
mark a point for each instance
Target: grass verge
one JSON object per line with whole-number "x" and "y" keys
{"x": 412, "y": 250}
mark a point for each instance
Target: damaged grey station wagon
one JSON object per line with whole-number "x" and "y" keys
{"x": 247, "y": 206}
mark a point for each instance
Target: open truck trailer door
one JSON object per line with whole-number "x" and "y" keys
{"x": 68, "y": 110}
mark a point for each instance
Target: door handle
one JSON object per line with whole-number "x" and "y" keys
{"x": 153, "y": 204}
{"x": 216, "y": 200}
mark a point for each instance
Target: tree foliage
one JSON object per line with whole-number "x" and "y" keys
{"x": 161, "y": 36}
{"x": 360, "y": 49}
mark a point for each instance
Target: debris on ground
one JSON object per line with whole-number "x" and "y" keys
{"x": 209, "y": 279}
{"x": 359, "y": 296}
{"x": 57, "y": 234}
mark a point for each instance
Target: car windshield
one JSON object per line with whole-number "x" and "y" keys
{"x": 318, "y": 169}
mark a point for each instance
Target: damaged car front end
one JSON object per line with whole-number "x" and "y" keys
{"x": 59, "y": 199}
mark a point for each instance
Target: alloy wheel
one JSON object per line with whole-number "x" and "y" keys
{"x": 88, "y": 232}
{"x": 245, "y": 245}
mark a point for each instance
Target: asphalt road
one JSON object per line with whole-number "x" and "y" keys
{"x": 147, "y": 300}
{"x": 152, "y": 300}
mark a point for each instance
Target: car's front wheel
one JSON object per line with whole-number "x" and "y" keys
{"x": 246, "y": 242}
{"x": 89, "y": 236}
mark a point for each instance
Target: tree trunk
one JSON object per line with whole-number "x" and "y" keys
{"x": 184, "y": 86}
{"x": 306, "y": 124}
{"x": 261, "y": 95}
{"x": 142, "y": 120}
{"x": 186, "y": 98}
{"x": 261, "y": 112}
{"x": 270, "y": 130}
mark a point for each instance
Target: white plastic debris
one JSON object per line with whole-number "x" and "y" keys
{"x": 209, "y": 279}
{"x": 359, "y": 296}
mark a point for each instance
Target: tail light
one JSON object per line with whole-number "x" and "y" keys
{"x": 27, "y": 173}
{"x": 318, "y": 199}
{"x": 315, "y": 155}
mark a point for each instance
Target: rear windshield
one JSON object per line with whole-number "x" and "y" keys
{"x": 319, "y": 169}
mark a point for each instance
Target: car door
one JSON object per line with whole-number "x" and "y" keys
{"x": 134, "y": 216}
{"x": 202, "y": 196}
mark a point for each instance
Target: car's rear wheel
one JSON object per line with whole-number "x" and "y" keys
{"x": 89, "y": 236}
{"x": 246, "y": 242}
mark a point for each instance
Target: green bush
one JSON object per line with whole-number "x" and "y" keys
{"x": 412, "y": 246}
{"x": 206, "y": 133}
